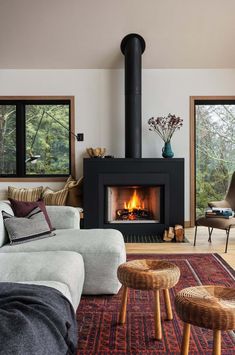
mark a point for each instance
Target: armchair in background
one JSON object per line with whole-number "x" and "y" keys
{"x": 229, "y": 199}
{"x": 217, "y": 222}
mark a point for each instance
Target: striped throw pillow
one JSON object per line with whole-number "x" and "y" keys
{"x": 25, "y": 194}
{"x": 31, "y": 227}
{"x": 54, "y": 198}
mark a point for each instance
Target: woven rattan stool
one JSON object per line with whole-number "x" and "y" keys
{"x": 153, "y": 275}
{"x": 211, "y": 307}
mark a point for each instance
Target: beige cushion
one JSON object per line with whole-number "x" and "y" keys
{"x": 74, "y": 197}
{"x": 219, "y": 204}
{"x": 25, "y": 194}
{"x": 55, "y": 198}
{"x": 216, "y": 222}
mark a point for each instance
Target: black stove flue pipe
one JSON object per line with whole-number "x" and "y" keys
{"x": 132, "y": 46}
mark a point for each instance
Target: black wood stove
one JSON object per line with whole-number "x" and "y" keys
{"x": 133, "y": 194}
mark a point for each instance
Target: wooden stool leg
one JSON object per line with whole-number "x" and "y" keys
{"x": 217, "y": 342}
{"x": 157, "y": 316}
{"x": 195, "y": 236}
{"x": 122, "y": 315}
{"x": 210, "y": 230}
{"x": 167, "y": 299}
{"x": 185, "y": 339}
{"x": 227, "y": 234}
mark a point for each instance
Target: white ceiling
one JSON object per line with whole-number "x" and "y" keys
{"x": 87, "y": 33}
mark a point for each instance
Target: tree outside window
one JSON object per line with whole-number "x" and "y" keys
{"x": 35, "y": 138}
{"x": 215, "y": 150}
{"x": 7, "y": 139}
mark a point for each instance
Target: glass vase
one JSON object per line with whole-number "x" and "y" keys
{"x": 167, "y": 151}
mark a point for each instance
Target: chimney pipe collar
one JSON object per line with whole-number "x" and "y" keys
{"x": 130, "y": 36}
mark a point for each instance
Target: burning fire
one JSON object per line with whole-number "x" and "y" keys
{"x": 134, "y": 203}
{"x": 134, "y": 209}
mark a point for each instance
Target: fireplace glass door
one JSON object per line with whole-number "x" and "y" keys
{"x": 133, "y": 204}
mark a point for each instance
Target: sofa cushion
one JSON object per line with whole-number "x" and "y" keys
{"x": 59, "y": 286}
{"x": 103, "y": 250}
{"x": 23, "y": 229}
{"x": 25, "y": 194}
{"x": 64, "y": 217}
{"x": 22, "y": 208}
{"x": 65, "y": 267}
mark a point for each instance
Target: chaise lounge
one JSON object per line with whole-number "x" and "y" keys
{"x": 102, "y": 250}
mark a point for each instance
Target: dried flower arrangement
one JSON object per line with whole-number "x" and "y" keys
{"x": 165, "y": 126}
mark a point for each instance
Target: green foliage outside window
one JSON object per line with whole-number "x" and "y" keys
{"x": 7, "y": 139}
{"x": 46, "y": 131}
{"x": 215, "y": 152}
{"x": 47, "y": 138}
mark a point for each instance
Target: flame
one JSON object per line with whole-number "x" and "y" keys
{"x": 134, "y": 203}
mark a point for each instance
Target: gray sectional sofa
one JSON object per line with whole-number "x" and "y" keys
{"x": 73, "y": 261}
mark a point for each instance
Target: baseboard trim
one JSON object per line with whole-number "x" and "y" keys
{"x": 187, "y": 224}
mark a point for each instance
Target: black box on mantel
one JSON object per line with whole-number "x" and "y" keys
{"x": 136, "y": 196}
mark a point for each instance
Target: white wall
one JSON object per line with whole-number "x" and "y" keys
{"x": 99, "y": 105}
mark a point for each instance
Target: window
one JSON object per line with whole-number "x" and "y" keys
{"x": 214, "y": 149}
{"x": 35, "y": 137}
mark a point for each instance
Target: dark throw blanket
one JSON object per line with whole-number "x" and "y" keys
{"x": 35, "y": 320}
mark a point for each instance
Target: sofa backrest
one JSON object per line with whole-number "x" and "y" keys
{"x": 62, "y": 217}
{"x": 4, "y": 206}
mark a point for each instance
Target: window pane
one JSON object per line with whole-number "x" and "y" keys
{"x": 215, "y": 152}
{"x": 47, "y": 139}
{"x": 7, "y": 139}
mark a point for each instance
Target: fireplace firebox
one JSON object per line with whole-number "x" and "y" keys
{"x": 135, "y": 204}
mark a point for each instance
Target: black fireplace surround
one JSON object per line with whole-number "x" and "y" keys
{"x": 168, "y": 174}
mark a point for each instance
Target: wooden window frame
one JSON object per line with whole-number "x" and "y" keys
{"x": 193, "y": 99}
{"x": 72, "y": 142}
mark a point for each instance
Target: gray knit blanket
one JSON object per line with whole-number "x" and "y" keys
{"x": 36, "y": 320}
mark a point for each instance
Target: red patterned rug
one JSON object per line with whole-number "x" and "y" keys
{"x": 100, "y": 334}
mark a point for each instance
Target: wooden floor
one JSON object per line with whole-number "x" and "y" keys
{"x": 216, "y": 246}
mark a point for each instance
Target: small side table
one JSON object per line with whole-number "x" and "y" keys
{"x": 148, "y": 275}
